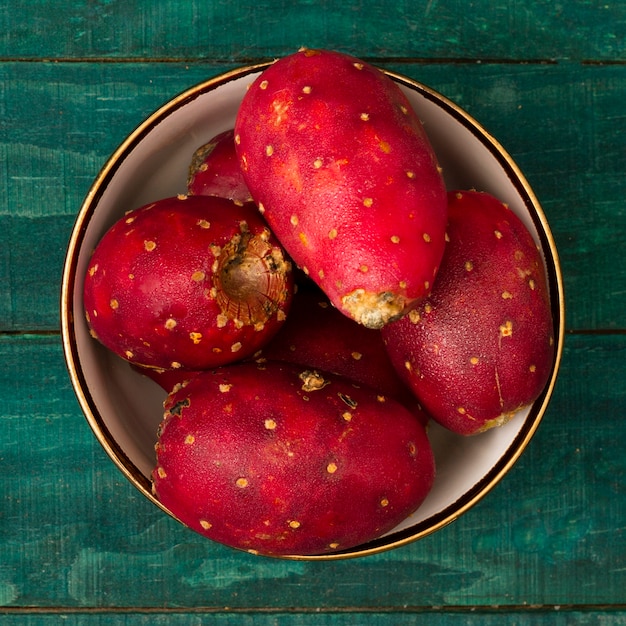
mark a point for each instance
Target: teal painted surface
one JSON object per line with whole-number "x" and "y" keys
{"x": 79, "y": 545}
{"x": 238, "y": 31}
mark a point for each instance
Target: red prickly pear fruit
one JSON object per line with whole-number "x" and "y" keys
{"x": 187, "y": 282}
{"x": 278, "y": 460}
{"x": 482, "y": 345}
{"x": 342, "y": 170}
{"x": 318, "y": 336}
{"x": 214, "y": 170}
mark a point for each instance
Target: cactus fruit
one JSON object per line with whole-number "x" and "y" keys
{"x": 343, "y": 171}
{"x": 187, "y": 282}
{"x": 481, "y": 346}
{"x": 318, "y": 336}
{"x": 214, "y": 170}
{"x": 278, "y": 460}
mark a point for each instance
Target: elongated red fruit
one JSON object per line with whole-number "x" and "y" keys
{"x": 482, "y": 345}
{"x": 279, "y": 460}
{"x": 344, "y": 173}
{"x": 187, "y": 282}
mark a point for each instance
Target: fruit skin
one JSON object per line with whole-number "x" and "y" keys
{"x": 187, "y": 282}
{"x": 482, "y": 345}
{"x": 214, "y": 170}
{"x": 318, "y": 336}
{"x": 342, "y": 169}
{"x": 275, "y": 460}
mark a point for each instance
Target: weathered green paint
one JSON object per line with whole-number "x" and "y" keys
{"x": 195, "y": 29}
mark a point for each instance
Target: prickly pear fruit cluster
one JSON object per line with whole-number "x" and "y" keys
{"x": 342, "y": 169}
{"x": 295, "y": 419}
{"x": 187, "y": 282}
{"x": 481, "y": 346}
{"x": 279, "y": 460}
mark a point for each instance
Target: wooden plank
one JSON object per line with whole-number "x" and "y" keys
{"x": 238, "y": 31}
{"x": 564, "y": 124}
{"x": 554, "y": 617}
{"x": 75, "y": 533}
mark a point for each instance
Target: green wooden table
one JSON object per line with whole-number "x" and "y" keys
{"x": 79, "y": 545}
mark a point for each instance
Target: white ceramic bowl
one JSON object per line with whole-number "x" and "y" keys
{"x": 124, "y": 408}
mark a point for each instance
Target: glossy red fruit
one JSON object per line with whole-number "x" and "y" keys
{"x": 277, "y": 460}
{"x": 343, "y": 171}
{"x": 318, "y": 336}
{"x": 187, "y": 282}
{"x": 481, "y": 347}
{"x": 214, "y": 170}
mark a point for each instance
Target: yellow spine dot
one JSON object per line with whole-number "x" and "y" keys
{"x": 474, "y": 360}
{"x": 368, "y": 202}
{"x": 306, "y": 89}
{"x": 149, "y": 246}
{"x": 294, "y": 524}
{"x": 195, "y": 337}
{"x": 410, "y": 174}
{"x": 331, "y": 468}
{"x": 269, "y": 150}
{"x": 129, "y": 354}
{"x": 426, "y": 237}
{"x": 263, "y": 85}
{"x": 332, "y": 233}
{"x": 384, "y": 502}
{"x": 161, "y": 472}
{"x": 294, "y": 220}
{"x": 189, "y": 439}
{"x": 170, "y": 323}
{"x": 363, "y": 268}
{"x": 365, "y": 117}
{"x": 357, "y": 356}
{"x": 318, "y": 163}
{"x": 506, "y": 330}
{"x": 206, "y": 525}
{"x": 242, "y": 483}
{"x": 270, "y": 424}
{"x": 395, "y": 239}
{"x": 533, "y": 368}
{"x": 225, "y": 388}
{"x": 507, "y": 295}
{"x": 198, "y": 276}
{"x": 347, "y": 416}
{"x": 236, "y": 347}
{"x": 469, "y": 266}
{"x": 114, "y": 304}
{"x": 498, "y": 234}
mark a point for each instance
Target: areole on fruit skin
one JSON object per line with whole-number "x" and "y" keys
{"x": 342, "y": 170}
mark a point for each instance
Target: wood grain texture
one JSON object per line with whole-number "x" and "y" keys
{"x": 75, "y": 533}
{"x": 236, "y": 31}
{"x": 564, "y": 124}
{"x": 556, "y": 617}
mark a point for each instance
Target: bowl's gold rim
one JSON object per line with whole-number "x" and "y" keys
{"x": 508, "y": 458}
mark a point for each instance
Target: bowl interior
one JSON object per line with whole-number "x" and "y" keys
{"x": 124, "y": 408}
